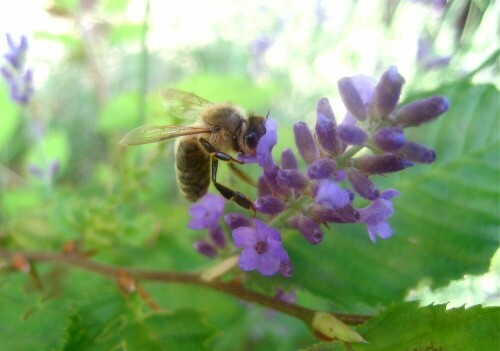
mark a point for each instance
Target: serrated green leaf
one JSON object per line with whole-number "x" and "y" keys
{"x": 406, "y": 327}
{"x": 409, "y": 327}
{"x": 109, "y": 320}
{"x": 446, "y": 219}
{"x": 27, "y": 320}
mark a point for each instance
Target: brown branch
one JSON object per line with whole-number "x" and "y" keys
{"x": 231, "y": 288}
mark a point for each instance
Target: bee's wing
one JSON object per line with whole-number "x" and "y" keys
{"x": 153, "y": 134}
{"x": 183, "y": 105}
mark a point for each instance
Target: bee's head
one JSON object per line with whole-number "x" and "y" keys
{"x": 255, "y": 129}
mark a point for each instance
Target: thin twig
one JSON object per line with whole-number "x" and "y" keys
{"x": 231, "y": 288}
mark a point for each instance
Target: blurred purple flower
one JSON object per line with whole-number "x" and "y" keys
{"x": 262, "y": 248}
{"x": 376, "y": 214}
{"x": 19, "y": 79}
{"x": 426, "y": 58}
{"x": 206, "y": 213}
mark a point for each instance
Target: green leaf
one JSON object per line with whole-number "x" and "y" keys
{"x": 110, "y": 320}
{"x": 122, "y": 112}
{"x": 445, "y": 221}
{"x": 28, "y": 321}
{"x": 408, "y": 327}
{"x": 53, "y": 147}
{"x": 125, "y": 32}
{"x": 10, "y": 117}
{"x": 239, "y": 90}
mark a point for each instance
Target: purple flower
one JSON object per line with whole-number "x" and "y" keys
{"x": 331, "y": 196}
{"x": 376, "y": 214}
{"x": 17, "y": 52}
{"x": 206, "y": 213}
{"x": 19, "y": 79}
{"x": 262, "y": 248}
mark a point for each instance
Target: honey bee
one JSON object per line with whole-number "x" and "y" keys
{"x": 219, "y": 129}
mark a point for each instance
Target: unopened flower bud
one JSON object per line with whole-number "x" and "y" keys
{"x": 351, "y": 134}
{"x": 387, "y": 92}
{"x": 379, "y": 164}
{"x": 346, "y": 214}
{"x": 417, "y": 153}
{"x": 292, "y": 178}
{"x": 288, "y": 160}
{"x": 274, "y": 184}
{"x": 218, "y": 236}
{"x": 351, "y": 98}
{"x": 389, "y": 139}
{"x": 286, "y": 267}
{"x": 305, "y": 142}
{"x": 205, "y": 248}
{"x": 421, "y": 111}
{"x": 309, "y": 228}
{"x": 326, "y": 129}
{"x": 362, "y": 184}
{"x": 269, "y": 204}
{"x": 263, "y": 186}
{"x": 321, "y": 168}
{"x": 236, "y": 220}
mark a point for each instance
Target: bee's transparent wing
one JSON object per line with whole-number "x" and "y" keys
{"x": 153, "y": 134}
{"x": 183, "y": 105}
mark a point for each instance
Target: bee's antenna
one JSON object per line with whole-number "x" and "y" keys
{"x": 267, "y": 116}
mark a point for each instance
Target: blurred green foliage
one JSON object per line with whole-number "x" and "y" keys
{"x": 122, "y": 206}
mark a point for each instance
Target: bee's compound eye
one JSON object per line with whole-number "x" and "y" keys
{"x": 251, "y": 140}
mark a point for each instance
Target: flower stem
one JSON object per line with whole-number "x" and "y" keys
{"x": 230, "y": 288}
{"x": 348, "y": 154}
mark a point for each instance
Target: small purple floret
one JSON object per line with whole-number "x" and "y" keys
{"x": 206, "y": 213}
{"x": 262, "y": 248}
{"x": 376, "y": 214}
{"x": 331, "y": 196}
{"x": 305, "y": 142}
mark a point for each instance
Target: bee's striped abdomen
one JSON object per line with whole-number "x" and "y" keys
{"x": 193, "y": 169}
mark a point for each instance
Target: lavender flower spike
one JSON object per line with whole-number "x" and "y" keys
{"x": 262, "y": 248}
{"x": 207, "y": 212}
{"x": 16, "y": 53}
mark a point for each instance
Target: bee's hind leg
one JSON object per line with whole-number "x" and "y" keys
{"x": 229, "y": 194}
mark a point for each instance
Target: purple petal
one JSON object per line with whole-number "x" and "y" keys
{"x": 268, "y": 263}
{"x": 331, "y": 196}
{"x": 249, "y": 258}
{"x": 267, "y": 143}
{"x": 244, "y": 237}
{"x": 382, "y": 229}
{"x": 236, "y": 220}
{"x": 207, "y": 212}
{"x": 389, "y": 194}
{"x": 268, "y": 232}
